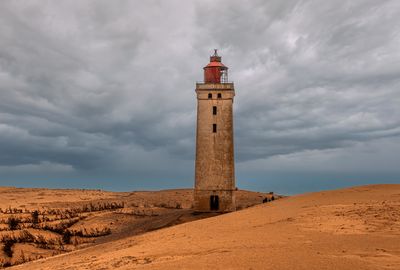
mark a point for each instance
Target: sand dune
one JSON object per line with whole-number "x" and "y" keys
{"x": 40, "y": 223}
{"x": 355, "y": 228}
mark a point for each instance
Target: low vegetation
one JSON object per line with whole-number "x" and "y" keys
{"x": 47, "y": 229}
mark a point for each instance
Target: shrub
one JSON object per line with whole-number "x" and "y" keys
{"x": 35, "y": 217}
{"x": 66, "y": 238}
{"x": 7, "y": 264}
{"x": 7, "y": 248}
{"x": 13, "y": 223}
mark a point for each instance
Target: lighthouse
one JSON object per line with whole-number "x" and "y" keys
{"x": 215, "y": 165}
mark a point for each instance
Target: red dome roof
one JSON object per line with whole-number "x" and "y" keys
{"x": 215, "y": 64}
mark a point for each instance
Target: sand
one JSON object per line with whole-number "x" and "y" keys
{"x": 354, "y": 228}
{"x": 92, "y": 217}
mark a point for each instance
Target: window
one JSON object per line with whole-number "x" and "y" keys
{"x": 219, "y": 95}
{"x": 214, "y": 128}
{"x": 209, "y": 95}
{"x": 214, "y": 110}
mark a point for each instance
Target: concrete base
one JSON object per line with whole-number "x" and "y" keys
{"x": 225, "y": 198}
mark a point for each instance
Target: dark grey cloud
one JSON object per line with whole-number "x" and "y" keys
{"x": 108, "y": 86}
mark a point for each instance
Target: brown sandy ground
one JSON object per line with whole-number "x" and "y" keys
{"x": 354, "y": 228}
{"x": 88, "y": 215}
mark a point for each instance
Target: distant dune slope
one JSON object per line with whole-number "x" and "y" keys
{"x": 355, "y": 228}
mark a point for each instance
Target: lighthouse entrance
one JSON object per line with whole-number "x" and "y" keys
{"x": 214, "y": 203}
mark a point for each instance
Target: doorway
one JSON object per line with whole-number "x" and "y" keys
{"x": 214, "y": 203}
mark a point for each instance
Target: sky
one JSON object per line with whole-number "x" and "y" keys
{"x": 100, "y": 94}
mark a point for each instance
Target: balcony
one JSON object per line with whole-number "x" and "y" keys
{"x": 214, "y": 86}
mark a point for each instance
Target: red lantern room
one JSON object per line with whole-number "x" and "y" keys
{"x": 215, "y": 71}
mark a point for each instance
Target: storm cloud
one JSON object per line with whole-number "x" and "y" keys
{"x": 106, "y": 88}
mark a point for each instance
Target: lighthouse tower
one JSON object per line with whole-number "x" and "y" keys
{"x": 215, "y": 164}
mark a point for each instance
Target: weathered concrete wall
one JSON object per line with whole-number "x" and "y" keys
{"x": 227, "y": 200}
{"x": 214, "y": 168}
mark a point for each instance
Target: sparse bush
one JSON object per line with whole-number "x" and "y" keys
{"x": 66, "y": 238}
{"x": 7, "y": 264}
{"x": 35, "y": 217}
{"x": 13, "y": 223}
{"x": 7, "y": 248}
